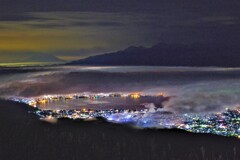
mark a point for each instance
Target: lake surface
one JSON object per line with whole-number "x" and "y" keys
{"x": 102, "y": 103}
{"x": 192, "y": 89}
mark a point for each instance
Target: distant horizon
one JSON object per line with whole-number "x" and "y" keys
{"x": 120, "y": 79}
{"x": 71, "y": 30}
{"x": 59, "y": 60}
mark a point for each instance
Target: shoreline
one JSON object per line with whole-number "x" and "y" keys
{"x": 24, "y": 136}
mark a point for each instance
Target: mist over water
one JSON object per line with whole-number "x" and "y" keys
{"x": 191, "y": 90}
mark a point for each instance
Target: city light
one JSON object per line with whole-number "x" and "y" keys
{"x": 225, "y": 124}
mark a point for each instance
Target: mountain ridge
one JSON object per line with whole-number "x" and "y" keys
{"x": 163, "y": 54}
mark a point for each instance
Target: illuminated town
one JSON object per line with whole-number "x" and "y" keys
{"x": 145, "y": 115}
{"x": 225, "y": 124}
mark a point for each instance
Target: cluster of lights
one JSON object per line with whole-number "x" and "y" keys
{"x": 225, "y": 124}
{"x": 49, "y": 98}
{"x": 87, "y": 114}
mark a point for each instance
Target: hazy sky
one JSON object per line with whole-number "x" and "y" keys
{"x": 73, "y": 29}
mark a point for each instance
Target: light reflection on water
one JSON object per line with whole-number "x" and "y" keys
{"x": 101, "y": 103}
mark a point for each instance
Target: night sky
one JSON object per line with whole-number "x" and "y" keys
{"x": 74, "y": 29}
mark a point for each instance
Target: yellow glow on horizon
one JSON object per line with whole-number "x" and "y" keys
{"x": 61, "y": 34}
{"x": 70, "y": 58}
{"x": 33, "y": 40}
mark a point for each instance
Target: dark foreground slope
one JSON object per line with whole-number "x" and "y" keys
{"x": 169, "y": 55}
{"x": 23, "y": 136}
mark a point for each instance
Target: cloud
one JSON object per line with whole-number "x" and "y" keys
{"x": 97, "y": 32}
{"x": 207, "y": 96}
{"x": 17, "y": 17}
{"x": 191, "y": 90}
{"x": 219, "y": 18}
{"x": 66, "y": 33}
{"x": 101, "y": 24}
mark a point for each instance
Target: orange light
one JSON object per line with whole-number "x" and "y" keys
{"x": 162, "y": 94}
{"x": 34, "y": 104}
{"x": 135, "y": 95}
{"x": 43, "y": 101}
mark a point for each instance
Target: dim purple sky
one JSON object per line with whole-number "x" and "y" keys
{"x": 73, "y": 29}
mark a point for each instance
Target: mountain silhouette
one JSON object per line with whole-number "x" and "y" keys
{"x": 163, "y": 54}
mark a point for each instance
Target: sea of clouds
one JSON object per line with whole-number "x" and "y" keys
{"x": 190, "y": 90}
